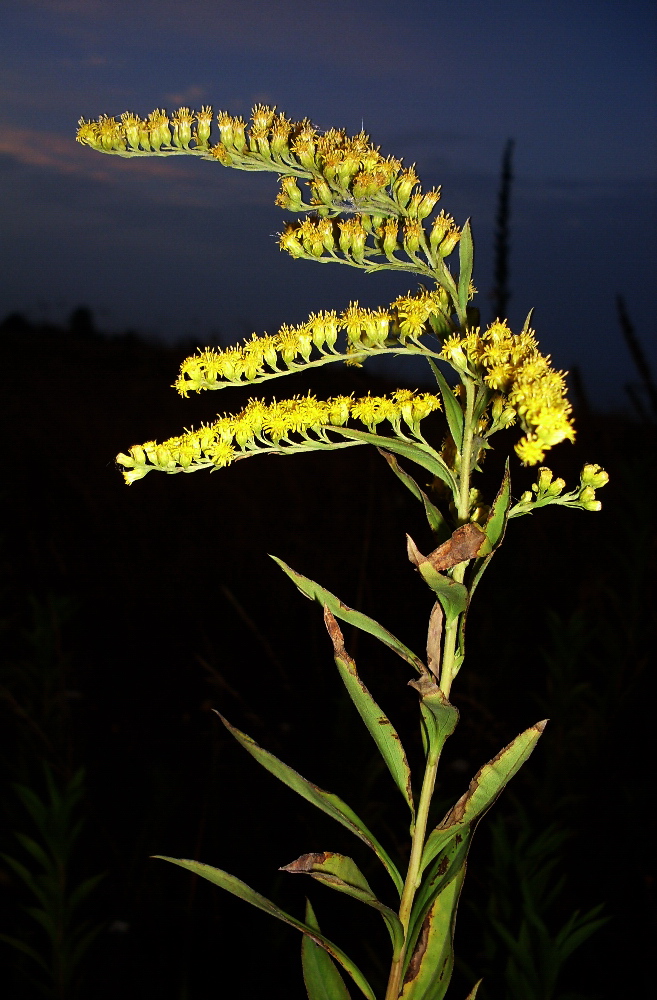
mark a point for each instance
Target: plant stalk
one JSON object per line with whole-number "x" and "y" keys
{"x": 414, "y": 865}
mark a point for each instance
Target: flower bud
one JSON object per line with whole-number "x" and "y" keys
{"x": 226, "y": 131}
{"x": 388, "y": 233}
{"x": 412, "y": 236}
{"x": 593, "y": 475}
{"x": 290, "y": 194}
{"x": 449, "y": 242}
{"x": 280, "y": 134}
{"x": 325, "y": 232}
{"x": 204, "y": 120}
{"x": 592, "y": 505}
{"x": 428, "y": 203}
{"x": 404, "y": 185}
{"x": 322, "y": 191}
{"x": 586, "y": 495}
{"x": 182, "y": 127}
{"x": 441, "y": 226}
{"x": 289, "y": 240}
{"x": 345, "y": 235}
{"x": 304, "y": 150}
{"x": 544, "y": 480}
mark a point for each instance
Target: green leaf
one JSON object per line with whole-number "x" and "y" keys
{"x": 496, "y": 524}
{"x": 466, "y": 261}
{"x": 82, "y": 890}
{"x": 425, "y": 457}
{"x": 473, "y": 992}
{"x": 437, "y": 522}
{"x": 484, "y": 789}
{"x": 313, "y": 591}
{"x": 430, "y": 968}
{"x": 342, "y": 873}
{"x": 36, "y": 850}
{"x": 326, "y": 801}
{"x": 438, "y": 714}
{"x": 249, "y": 895}
{"x": 453, "y": 411}
{"x": 322, "y": 978}
{"x": 452, "y": 595}
{"x": 25, "y": 949}
{"x": 446, "y": 866}
{"x": 25, "y": 875}
{"x": 378, "y": 724}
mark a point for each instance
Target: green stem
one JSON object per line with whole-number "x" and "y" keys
{"x": 413, "y": 875}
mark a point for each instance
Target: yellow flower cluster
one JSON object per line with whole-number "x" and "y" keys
{"x": 264, "y": 426}
{"x": 526, "y": 385}
{"x": 346, "y": 175}
{"x": 324, "y": 238}
{"x": 367, "y": 331}
{"x": 158, "y": 133}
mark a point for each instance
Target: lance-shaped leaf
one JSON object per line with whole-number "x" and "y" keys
{"x": 430, "y": 969}
{"x": 347, "y": 614}
{"x": 320, "y": 975}
{"x": 437, "y": 522}
{"x": 378, "y": 724}
{"x": 453, "y": 411}
{"x": 484, "y": 789}
{"x": 495, "y": 526}
{"x": 249, "y": 895}
{"x": 343, "y": 874}
{"x": 452, "y": 595}
{"x": 466, "y": 260}
{"x": 445, "y": 866}
{"x": 473, "y": 992}
{"x": 423, "y": 456}
{"x": 326, "y": 801}
{"x": 438, "y": 715}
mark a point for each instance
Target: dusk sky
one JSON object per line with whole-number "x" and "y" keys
{"x": 178, "y": 248}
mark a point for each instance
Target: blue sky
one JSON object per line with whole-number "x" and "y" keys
{"x": 181, "y": 248}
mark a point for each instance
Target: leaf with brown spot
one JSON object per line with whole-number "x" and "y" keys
{"x": 378, "y": 724}
{"x": 452, "y": 595}
{"x": 313, "y": 591}
{"x": 326, "y": 801}
{"x": 466, "y": 543}
{"x": 249, "y": 895}
{"x": 430, "y": 968}
{"x": 484, "y": 788}
{"x": 439, "y": 716}
{"x": 342, "y": 873}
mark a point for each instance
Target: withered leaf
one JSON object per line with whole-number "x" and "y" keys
{"x": 464, "y": 544}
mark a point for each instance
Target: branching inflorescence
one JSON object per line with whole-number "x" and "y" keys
{"x": 369, "y": 211}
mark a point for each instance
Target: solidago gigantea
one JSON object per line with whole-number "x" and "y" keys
{"x": 368, "y": 211}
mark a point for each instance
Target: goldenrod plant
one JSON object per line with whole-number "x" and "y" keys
{"x": 368, "y": 211}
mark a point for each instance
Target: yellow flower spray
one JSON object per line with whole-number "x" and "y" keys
{"x": 369, "y": 212}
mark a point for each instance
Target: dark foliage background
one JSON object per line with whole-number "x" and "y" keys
{"x": 129, "y": 614}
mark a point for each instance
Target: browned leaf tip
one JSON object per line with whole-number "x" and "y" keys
{"x": 307, "y": 862}
{"x": 333, "y": 629}
{"x": 464, "y": 544}
{"x": 434, "y": 637}
{"x": 414, "y": 554}
{"x": 541, "y": 725}
{"x": 426, "y": 686}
